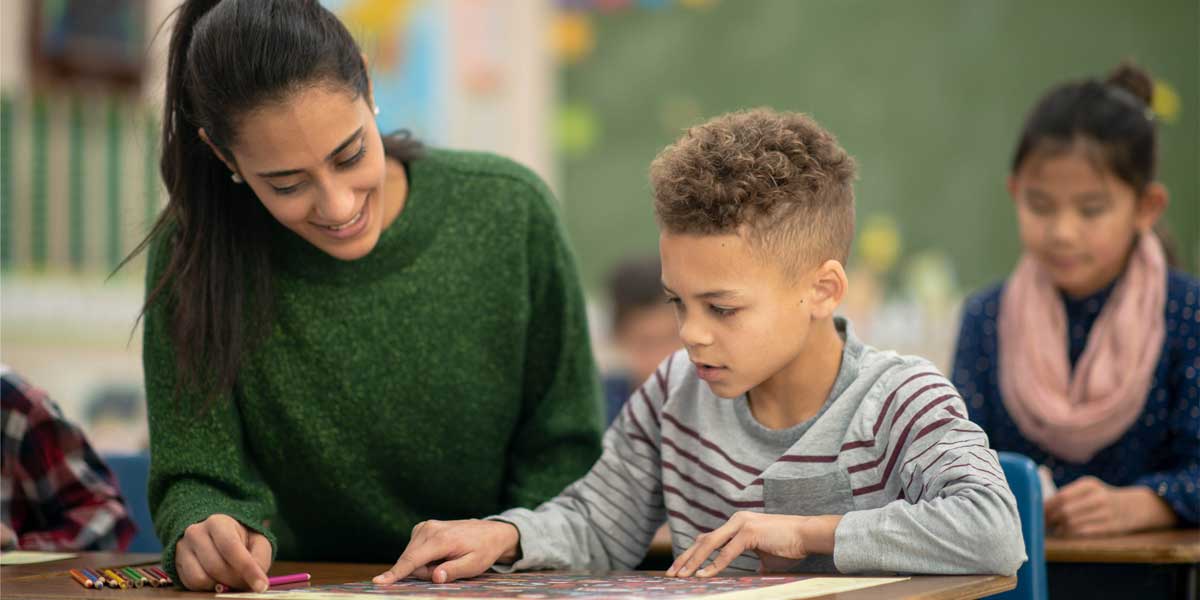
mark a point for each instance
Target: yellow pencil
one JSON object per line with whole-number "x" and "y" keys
{"x": 117, "y": 580}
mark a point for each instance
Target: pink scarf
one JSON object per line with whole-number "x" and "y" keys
{"x": 1075, "y": 416}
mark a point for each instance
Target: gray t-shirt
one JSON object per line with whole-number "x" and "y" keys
{"x": 891, "y": 450}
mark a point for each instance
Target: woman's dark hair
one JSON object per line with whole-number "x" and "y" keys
{"x": 1114, "y": 115}
{"x": 226, "y": 58}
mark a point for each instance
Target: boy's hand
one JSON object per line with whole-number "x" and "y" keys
{"x": 1088, "y": 506}
{"x": 221, "y": 550}
{"x": 442, "y": 551}
{"x": 773, "y": 537}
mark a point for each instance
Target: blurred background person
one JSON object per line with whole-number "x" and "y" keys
{"x": 55, "y": 491}
{"x": 644, "y": 330}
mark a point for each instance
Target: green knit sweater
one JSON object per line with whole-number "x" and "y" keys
{"x": 447, "y": 374}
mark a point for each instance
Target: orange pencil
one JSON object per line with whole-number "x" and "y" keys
{"x": 82, "y": 579}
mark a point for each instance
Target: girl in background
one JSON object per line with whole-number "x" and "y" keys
{"x": 1087, "y": 359}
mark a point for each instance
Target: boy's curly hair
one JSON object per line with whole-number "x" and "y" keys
{"x": 777, "y": 177}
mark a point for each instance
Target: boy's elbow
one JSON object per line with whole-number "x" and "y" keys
{"x": 1006, "y": 546}
{"x": 998, "y": 535}
{"x": 1007, "y": 557}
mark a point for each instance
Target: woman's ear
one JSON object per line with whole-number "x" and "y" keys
{"x": 228, "y": 163}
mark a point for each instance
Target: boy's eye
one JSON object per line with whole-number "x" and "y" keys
{"x": 1093, "y": 211}
{"x": 722, "y": 311}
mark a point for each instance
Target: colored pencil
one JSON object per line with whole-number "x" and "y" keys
{"x": 116, "y": 579}
{"x": 134, "y": 576}
{"x": 154, "y": 578}
{"x": 97, "y": 580}
{"x": 286, "y": 579}
{"x": 82, "y": 579}
{"x": 163, "y": 574}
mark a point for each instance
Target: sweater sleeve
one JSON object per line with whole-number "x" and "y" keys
{"x": 199, "y": 465}
{"x": 953, "y": 512}
{"x": 607, "y": 519}
{"x": 1179, "y": 484}
{"x": 558, "y": 436}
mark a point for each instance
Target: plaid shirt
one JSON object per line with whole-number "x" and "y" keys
{"x": 56, "y": 493}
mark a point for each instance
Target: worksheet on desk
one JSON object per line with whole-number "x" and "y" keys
{"x": 551, "y": 586}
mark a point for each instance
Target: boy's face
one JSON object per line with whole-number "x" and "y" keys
{"x": 741, "y": 318}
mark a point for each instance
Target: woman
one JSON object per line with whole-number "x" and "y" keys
{"x": 345, "y": 335}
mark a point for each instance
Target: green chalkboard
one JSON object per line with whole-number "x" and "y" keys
{"x": 928, "y": 95}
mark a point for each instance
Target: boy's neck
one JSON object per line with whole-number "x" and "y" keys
{"x": 798, "y": 391}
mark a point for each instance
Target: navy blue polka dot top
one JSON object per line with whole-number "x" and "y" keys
{"x": 1161, "y": 450}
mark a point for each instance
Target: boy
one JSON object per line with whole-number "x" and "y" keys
{"x": 776, "y": 439}
{"x": 643, "y": 328}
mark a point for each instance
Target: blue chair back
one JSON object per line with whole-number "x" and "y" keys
{"x": 133, "y": 476}
{"x": 1022, "y": 477}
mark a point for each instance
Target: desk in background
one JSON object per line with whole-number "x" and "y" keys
{"x": 1151, "y": 564}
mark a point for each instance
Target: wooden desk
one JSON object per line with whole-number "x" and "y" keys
{"x": 1171, "y": 546}
{"x": 85, "y": 560}
{"x": 1151, "y": 564}
{"x": 58, "y": 585}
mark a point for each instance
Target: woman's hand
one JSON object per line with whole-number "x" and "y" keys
{"x": 442, "y": 551}
{"x": 777, "y": 539}
{"x": 221, "y": 550}
{"x": 1088, "y": 506}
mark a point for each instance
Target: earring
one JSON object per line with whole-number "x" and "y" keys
{"x": 376, "y": 110}
{"x": 236, "y": 178}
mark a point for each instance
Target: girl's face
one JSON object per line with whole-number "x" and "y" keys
{"x": 316, "y": 162}
{"x": 1078, "y": 221}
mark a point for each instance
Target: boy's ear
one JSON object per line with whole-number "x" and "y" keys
{"x": 829, "y": 286}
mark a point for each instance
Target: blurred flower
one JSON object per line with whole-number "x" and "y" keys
{"x": 576, "y": 129}
{"x": 572, "y": 37}
{"x": 1165, "y": 102}
{"x": 879, "y": 242}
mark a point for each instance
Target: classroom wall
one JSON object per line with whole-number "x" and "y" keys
{"x": 79, "y": 183}
{"x": 928, "y": 95}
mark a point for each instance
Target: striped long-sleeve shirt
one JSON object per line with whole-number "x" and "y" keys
{"x": 891, "y": 450}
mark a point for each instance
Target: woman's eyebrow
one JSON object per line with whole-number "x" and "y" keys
{"x": 341, "y": 146}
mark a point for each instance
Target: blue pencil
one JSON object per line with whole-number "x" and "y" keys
{"x": 97, "y": 581}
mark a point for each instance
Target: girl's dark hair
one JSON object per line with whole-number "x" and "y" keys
{"x": 1113, "y": 114}
{"x": 226, "y": 58}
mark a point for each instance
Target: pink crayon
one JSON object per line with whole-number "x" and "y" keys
{"x": 286, "y": 579}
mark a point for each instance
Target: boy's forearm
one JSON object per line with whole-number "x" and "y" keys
{"x": 819, "y": 532}
{"x": 512, "y": 544}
